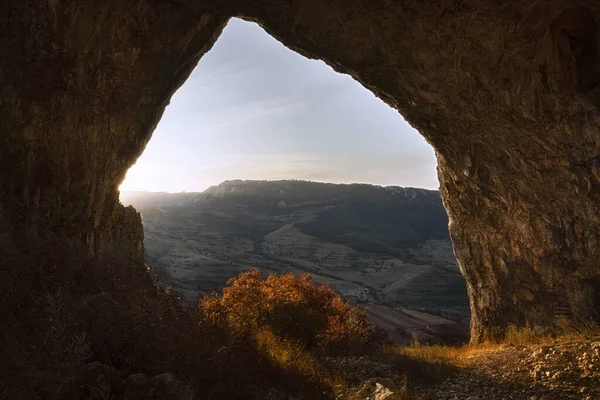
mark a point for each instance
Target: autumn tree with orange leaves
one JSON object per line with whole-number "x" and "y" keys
{"x": 292, "y": 308}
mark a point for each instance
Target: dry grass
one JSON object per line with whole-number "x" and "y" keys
{"x": 420, "y": 362}
{"x": 526, "y": 335}
{"x": 306, "y": 366}
{"x": 583, "y": 330}
{"x": 563, "y": 331}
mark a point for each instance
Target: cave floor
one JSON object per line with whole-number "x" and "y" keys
{"x": 555, "y": 371}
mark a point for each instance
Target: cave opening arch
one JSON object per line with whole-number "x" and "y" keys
{"x": 506, "y": 94}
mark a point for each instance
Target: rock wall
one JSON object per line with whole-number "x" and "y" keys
{"x": 506, "y": 92}
{"x": 84, "y": 85}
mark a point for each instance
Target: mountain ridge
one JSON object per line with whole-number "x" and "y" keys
{"x": 129, "y": 197}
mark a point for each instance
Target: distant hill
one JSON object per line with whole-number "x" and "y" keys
{"x": 141, "y": 200}
{"x": 381, "y": 245}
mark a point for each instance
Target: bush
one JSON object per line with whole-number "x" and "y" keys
{"x": 293, "y": 308}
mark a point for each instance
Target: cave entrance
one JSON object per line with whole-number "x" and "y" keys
{"x": 506, "y": 93}
{"x": 255, "y": 110}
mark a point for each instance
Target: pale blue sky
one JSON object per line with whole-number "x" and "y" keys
{"x": 252, "y": 109}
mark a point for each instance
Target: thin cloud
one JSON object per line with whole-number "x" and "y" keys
{"x": 235, "y": 115}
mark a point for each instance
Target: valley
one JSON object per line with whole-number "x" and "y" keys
{"x": 384, "y": 247}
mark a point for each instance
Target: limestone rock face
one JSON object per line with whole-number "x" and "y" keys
{"x": 506, "y": 92}
{"x": 84, "y": 86}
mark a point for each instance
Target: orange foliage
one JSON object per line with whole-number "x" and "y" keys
{"x": 292, "y": 308}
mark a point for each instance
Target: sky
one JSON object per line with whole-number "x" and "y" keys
{"x": 253, "y": 109}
